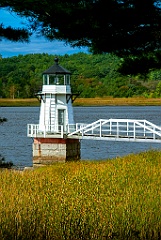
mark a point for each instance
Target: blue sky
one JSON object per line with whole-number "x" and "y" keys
{"x": 36, "y": 45}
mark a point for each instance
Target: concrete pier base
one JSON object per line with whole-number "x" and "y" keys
{"x": 50, "y": 150}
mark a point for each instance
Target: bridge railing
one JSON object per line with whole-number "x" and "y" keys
{"x": 34, "y": 130}
{"x": 116, "y": 128}
{"x": 119, "y": 128}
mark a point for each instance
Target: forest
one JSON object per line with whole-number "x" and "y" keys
{"x": 93, "y": 75}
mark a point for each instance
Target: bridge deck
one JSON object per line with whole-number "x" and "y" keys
{"x": 114, "y": 138}
{"x": 104, "y": 129}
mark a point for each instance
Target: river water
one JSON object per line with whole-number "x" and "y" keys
{"x": 15, "y": 146}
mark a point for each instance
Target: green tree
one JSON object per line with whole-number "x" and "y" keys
{"x": 157, "y": 93}
{"x": 92, "y": 76}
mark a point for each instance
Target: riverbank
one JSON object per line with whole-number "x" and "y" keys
{"x": 105, "y": 101}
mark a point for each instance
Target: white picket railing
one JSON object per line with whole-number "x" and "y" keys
{"x": 104, "y": 129}
{"x": 35, "y": 130}
{"x": 119, "y": 129}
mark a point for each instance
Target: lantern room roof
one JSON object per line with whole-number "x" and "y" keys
{"x": 56, "y": 69}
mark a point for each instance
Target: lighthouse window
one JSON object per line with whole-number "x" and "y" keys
{"x": 61, "y": 80}
{"x": 67, "y": 82}
{"x": 51, "y": 79}
{"x": 56, "y": 80}
{"x": 61, "y": 118}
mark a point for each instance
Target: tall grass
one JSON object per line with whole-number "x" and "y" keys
{"x": 113, "y": 199}
{"x": 98, "y": 101}
{"x": 19, "y": 102}
{"x": 110, "y": 101}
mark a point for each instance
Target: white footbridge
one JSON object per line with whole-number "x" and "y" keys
{"x": 102, "y": 129}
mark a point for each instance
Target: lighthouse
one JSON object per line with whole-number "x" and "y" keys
{"x": 56, "y": 109}
{"x": 51, "y": 143}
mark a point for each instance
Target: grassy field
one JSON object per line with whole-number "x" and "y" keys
{"x": 28, "y": 102}
{"x": 110, "y": 101}
{"x": 105, "y": 101}
{"x": 113, "y": 199}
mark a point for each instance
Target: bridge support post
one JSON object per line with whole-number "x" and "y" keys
{"x": 50, "y": 150}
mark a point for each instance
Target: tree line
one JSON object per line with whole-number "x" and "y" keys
{"x": 92, "y": 75}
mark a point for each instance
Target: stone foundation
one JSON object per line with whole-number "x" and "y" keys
{"x": 51, "y": 150}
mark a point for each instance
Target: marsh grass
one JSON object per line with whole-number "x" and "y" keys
{"x": 113, "y": 199}
{"x": 98, "y": 101}
{"x": 110, "y": 101}
{"x": 27, "y": 102}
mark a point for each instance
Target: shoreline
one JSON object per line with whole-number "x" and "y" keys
{"x": 105, "y": 101}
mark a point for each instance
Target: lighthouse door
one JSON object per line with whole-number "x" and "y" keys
{"x": 61, "y": 119}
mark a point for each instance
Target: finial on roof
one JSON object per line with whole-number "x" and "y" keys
{"x": 56, "y": 60}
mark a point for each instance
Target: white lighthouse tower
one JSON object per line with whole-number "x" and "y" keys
{"x": 56, "y": 109}
{"x": 51, "y": 143}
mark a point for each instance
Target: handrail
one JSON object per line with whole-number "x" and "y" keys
{"x": 33, "y": 130}
{"x": 102, "y": 128}
{"x": 118, "y": 127}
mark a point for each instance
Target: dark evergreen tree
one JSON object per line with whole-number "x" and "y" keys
{"x": 120, "y": 26}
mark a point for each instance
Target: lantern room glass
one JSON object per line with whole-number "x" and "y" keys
{"x": 55, "y": 79}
